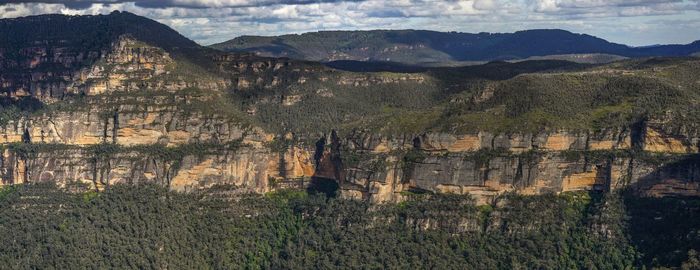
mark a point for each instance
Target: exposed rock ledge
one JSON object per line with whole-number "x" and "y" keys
{"x": 366, "y": 166}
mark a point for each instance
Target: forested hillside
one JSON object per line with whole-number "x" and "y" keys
{"x": 149, "y": 227}
{"x": 528, "y": 96}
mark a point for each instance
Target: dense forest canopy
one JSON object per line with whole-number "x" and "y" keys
{"x": 42, "y": 226}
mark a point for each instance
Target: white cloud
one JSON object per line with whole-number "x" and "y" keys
{"x": 209, "y": 21}
{"x": 485, "y": 4}
{"x": 20, "y": 10}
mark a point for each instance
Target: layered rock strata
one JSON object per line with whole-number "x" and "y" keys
{"x": 367, "y": 166}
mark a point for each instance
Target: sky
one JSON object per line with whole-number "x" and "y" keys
{"x": 631, "y": 22}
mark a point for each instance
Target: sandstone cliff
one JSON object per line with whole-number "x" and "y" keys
{"x": 487, "y": 165}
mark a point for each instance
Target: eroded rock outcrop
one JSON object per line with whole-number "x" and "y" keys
{"x": 48, "y": 72}
{"x": 367, "y": 166}
{"x": 487, "y": 165}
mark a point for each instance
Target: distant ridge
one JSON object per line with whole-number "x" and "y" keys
{"x": 420, "y": 47}
{"x": 90, "y": 30}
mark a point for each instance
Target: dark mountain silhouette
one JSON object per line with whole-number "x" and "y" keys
{"x": 425, "y": 47}
{"x": 88, "y": 31}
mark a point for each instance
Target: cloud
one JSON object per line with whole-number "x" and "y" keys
{"x": 210, "y": 21}
{"x": 84, "y": 4}
{"x": 613, "y": 8}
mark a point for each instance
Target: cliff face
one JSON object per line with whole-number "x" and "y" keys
{"x": 193, "y": 152}
{"x": 49, "y": 73}
{"x": 168, "y": 144}
{"x": 130, "y": 112}
{"x": 370, "y": 167}
{"x": 487, "y": 165}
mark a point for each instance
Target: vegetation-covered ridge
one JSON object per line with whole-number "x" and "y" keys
{"x": 89, "y": 32}
{"x": 603, "y": 97}
{"x": 51, "y": 57}
{"x": 441, "y": 48}
{"x": 149, "y": 227}
{"x": 526, "y": 97}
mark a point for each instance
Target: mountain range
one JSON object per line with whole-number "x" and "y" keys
{"x": 420, "y": 47}
{"x": 124, "y": 144}
{"x": 126, "y": 81}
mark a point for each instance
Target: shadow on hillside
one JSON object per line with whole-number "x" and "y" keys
{"x": 663, "y": 230}
{"x": 320, "y": 185}
{"x": 24, "y": 104}
{"x": 678, "y": 177}
{"x": 374, "y": 66}
{"x": 457, "y": 79}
